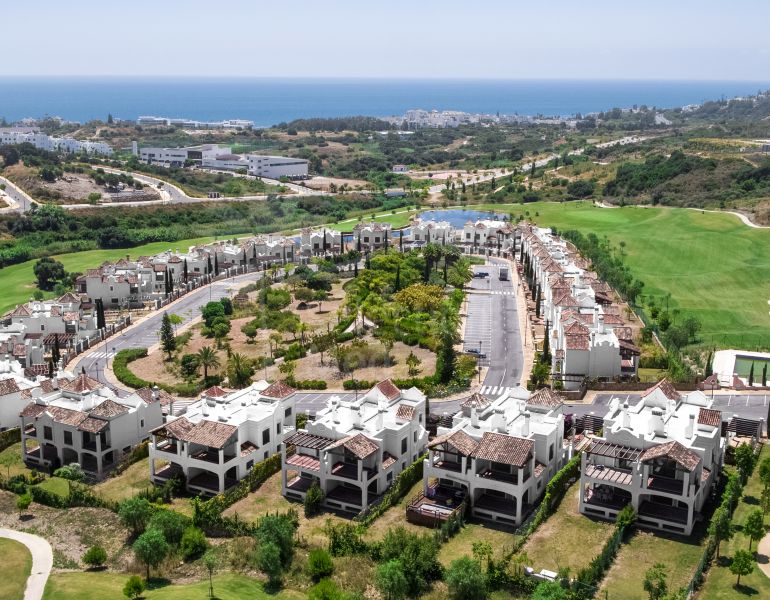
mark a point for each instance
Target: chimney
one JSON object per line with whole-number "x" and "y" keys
{"x": 626, "y": 416}
{"x": 689, "y": 431}
{"x": 499, "y": 420}
{"x": 357, "y": 418}
{"x": 155, "y": 393}
{"x": 601, "y": 324}
{"x": 334, "y": 402}
{"x": 379, "y": 423}
{"x": 474, "y": 417}
{"x": 205, "y": 408}
{"x": 656, "y": 422}
{"x": 526, "y": 428}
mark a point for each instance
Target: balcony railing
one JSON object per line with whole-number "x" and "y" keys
{"x": 499, "y": 476}
{"x": 448, "y": 465}
{"x": 661, "y": 483}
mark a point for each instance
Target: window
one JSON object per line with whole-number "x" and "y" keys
{"x": 389, "y": 478}
{"x": 47, "y": 433}
{"x": 403, "y": 445}
{"x": 550, "y": 452}
{"x": 287, "y": 413}
{"x": 249, "y": 465}
{"x": 265, "y": 437}
{"x": 266, "y": 453}
{"x": 68, "y": 438}
{"x": 278, "y": 429}
{"x": 414, "y": 435}
{"x": 141, "y": 423}
{"x": 419, "y": 418}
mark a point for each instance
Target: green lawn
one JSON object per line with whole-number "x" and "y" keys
{"x": 462, "y": 543}
{"x": 104, "y": 586}
{"x": 625, "y": 579}
{"x": 56, "y": 485}
{"x": 130, "y": 482}
{"x": 17, "y": 564}
{"x": 401, "y": 219}
{"x": 580, "y": 538}
{"x": 714, "y": 266}
{"x": 720, "y": 583}
{"x": 18, "y": 281}
{"x": 11, "y": 463}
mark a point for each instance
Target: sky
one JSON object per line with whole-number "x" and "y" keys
{"x": 485, "y": 39}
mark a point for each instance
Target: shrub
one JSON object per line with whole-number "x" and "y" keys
{"x": 326, "y": 589}
{"x": 151, "y": 549}
{"x": 172, "y": 524}
{"x": 359, "y": 384}
{"x": 135, "y": 513}
{"x": 95, "y": 556}
{"x": 319, "y": 564}
{"x": 134, "y": 587}
{"x": 313, "y": 500}
{"x": 193, "y": 543}
{"x": 465, "y": 580}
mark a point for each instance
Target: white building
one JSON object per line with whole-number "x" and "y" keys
{"x": 318, "y": 241}
{"x": 497, "y": 456}
{"x": 487, "y": 234}
{"x": 81, "y": 421}
{"x": 217, "y": 441}
{"x": 192, "y": 124}
{"x": 31, "y": 135}
{"x": 355, "y": 449}
{"x": 661, "y": 455}
{"x": 425, "y": 232}
{"x": 276, "y": 167}
{"x": 371, "y": 236}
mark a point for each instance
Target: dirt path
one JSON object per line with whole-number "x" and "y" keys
{"x": 42, "y": 561}
{"x": 763, "y": 552}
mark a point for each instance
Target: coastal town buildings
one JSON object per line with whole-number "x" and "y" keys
{"x": 320, "y": 241}
{"x": 428, "y": 231}
{"x": 216, "y": 441}
{"x": 662, "y": 455}
{"x": 496, "y": 456}
{"x": 82, "y": 421}
{"x": 371, "y": 236}
{"x": 491, "y": 235}
{"x": 354, "y": 449}
{"x": 150, "y": 121}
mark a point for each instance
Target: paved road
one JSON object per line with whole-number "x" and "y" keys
{"x": 493, "y": 326}
{"x": 146, "y": 334}
{"x": 42, "y": 561}
{"x": 22, "y": 201}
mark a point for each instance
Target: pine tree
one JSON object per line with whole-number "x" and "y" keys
{"x": 167, "y": 341}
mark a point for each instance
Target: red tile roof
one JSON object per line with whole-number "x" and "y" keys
{"x": 388, "y": 389}
{"x": 359, "y": 445}
{"x": 675, "y": 451}
{"x": 505, "y": 449}
{"x": 8, "y": 386}
{"x": 665, "y": 386}
{"x": 405, "y": 412}
{"x": 459, "y": 440}
{"x": 546, "y": 397}
{"x": 279, "y": 389}
{"x": 708, "y": 416}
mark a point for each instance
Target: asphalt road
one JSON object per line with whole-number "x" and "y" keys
{"x": 22, "y": 200}
{"x": 493, "y": 326}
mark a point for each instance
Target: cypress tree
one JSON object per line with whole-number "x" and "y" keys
{"x": 355, "y": 269}
{"x": 751, "y": 375}
{"x": 707, "y": 370}
{"x": 545, "y": 357}
{"x": 764, "y": 375}
{"x": 216, "y": 265}
{"x": 55, "y": 356}
{"x": 50, "y": 369}
{"x": 323, "y": 243}
{"x": 184, "y": 272}
{"x": 537, "y": 302}
{"x": 386, "y": 241}
{"x": 208, "y": 265}
{"x": 397, "y": 284}
{"x": 401, "y": 242}
{"x": 167, "y": 340}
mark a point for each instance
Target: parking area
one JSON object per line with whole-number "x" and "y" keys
{"x": 478, "y": 330}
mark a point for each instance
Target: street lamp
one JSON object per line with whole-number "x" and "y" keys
{"x": 479, "y": 362}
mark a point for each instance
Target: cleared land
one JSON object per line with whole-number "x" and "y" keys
{"x": 17, "y": 564}
{"x": 720, "y": 583}
{"x": 714, "y": 266}
{"x": 98, "y": 586}
{"x": 625, "y": 579}
{"x": 580, "y": 538}
{"x": 462, "y": 543}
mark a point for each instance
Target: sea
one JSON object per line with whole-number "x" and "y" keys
{"x": 268, "y": 102}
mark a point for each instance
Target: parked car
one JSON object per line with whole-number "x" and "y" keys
{"x": 476, "y": 352}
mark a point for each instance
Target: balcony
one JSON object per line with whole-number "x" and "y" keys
{"x": 663, "y": 512}
{"x": 610, "y": 475}
{"x": 303, "y": 461}
{"x": 448, "y": 465}
{"x": 211, "y": 456}
{"x": 350, "y": 471}
{"x": 660, "y": 483}
{"x": 167, "y": 446}
{"x": 499, "y": 476}
{"x": 439, "y": 505}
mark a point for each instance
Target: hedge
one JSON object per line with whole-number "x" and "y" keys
{"x": 9, "y": 437}
{"x": 554, "y": 492}
{"x": 359, "y": 384}
{"x": 306, "y": 384}
{"x": 401, "y": 486}
{"x": 127, "y": 377}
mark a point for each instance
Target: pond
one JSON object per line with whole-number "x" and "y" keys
{"x": 457, "y": 217}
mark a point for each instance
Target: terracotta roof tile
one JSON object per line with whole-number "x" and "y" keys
{"x": 148, "y": 395}
{"x": 92, "y": 425}
{"x": 546, "y": 397}
{"x": 388, "y": 389}
{"x": 359, "y": 445}
{"x": 708, "y": 416}
{"x": 665, "y": 386}
{"x": 82, "y": 383}
{"x": 8, "y": 386}
{"x": 32, "y": 410}
{"x": 505, "y": 449}
{"x": 577, "y": 342}
{"x": 675, "y": 451}
{"x": 214, "y": 392}
{"x": 477, "y": 401}
{"x": 405, "y": 412}
{"x": 459, "y": 440}
{"x": 279, "y": 389}
{"x": 107, "y": 409}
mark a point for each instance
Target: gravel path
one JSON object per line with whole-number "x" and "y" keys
{"x": 42, "y": 561}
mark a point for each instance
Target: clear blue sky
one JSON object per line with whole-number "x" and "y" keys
{"x": 675, "y": 39}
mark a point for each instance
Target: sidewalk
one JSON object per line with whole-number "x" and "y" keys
{"x": 42, "y": 561}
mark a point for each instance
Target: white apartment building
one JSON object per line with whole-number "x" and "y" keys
{"x": 276, "y": 167}
{"x": 371, "y": 236}
{"x": 218, "y": 439}
{"x": 81, "y": 421}
{"x": 192, "y": 124}
{"x": 31, "y": 135}
{"x": 661, "y": 455}
{"x": 355, "y": 449}
{"x": 497, "y": 456}
{"x": 426, "y": 232}
{"x": 588, "y": 336}
{"x": 487, "y": 234}
{"x": 316, "y": 241}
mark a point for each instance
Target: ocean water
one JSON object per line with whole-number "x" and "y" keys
{"x": 271, "y": 101}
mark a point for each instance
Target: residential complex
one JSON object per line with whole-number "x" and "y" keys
{"x": 82, "y": 421}
{"x": 496, "y": 455}
{"x": 588, "y": 336}
{"x": 487, "y": 234}
{"x": 371, "y": 236}
{"x": 217, "y": 440}
{"x": 32, "y": 135}
{"x": 354, "y": 449}
{"x": 149, "y": 121}
{"x": 662, "y": 455}
{"x": 213, "y": 156}
{"x": 425, "y": 232}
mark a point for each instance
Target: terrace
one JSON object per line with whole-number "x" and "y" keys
{"x": 610, "y": 475}
{"x": 439, "y": 505}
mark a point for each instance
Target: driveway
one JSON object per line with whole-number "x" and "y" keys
{"x": 42, "y": 561}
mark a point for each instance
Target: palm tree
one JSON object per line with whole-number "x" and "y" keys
{"x": 208, "y": 359}
{"x": 239, "y": 370}
{"x": 275, "y": 339}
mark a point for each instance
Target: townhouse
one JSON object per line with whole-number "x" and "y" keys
{"x": 217, "y": 440}
{"x": 315, "y": 242}
{"x": 32, "y": 135}
{"x": 661, "y": 455}
{"x": 588, "y": 336}
{"x": 82, "y": 421}
{"x": 371, "y": 236}
{"x": 487, "y": 235}
{"x": 426, "y": 232}
{"x": 496, "y": 456}
{"x": 354, "y": 449}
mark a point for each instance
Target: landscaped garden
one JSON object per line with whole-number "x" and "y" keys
{"x": 17, "y": 564}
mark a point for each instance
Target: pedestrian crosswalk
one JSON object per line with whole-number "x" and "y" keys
{"x": 503, "y": 293}
{"x": 495, "y": 390}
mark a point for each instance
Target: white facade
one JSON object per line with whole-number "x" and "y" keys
{"x": 355, "y": 449}
{"x": 81, "y": 421}
{"x": 487, "y": 234}
{"x": 315, "y": 241}
{"x": 276, "y": 167}
{"x": 662, "y": 456}
{"x": 217, "y": 441}
{"x": 21, "y": 135}
{"x": 437, "y": 232}
{"x": 371, "y": 236}
{"x": 497, "y": 455}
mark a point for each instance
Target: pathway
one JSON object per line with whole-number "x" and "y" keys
{"x": 42, "y": 561}
{"x": 763, "y": 552}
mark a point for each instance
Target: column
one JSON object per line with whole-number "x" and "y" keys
{"x": 518, "y": 509}
{"x": 284, "y": 471}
